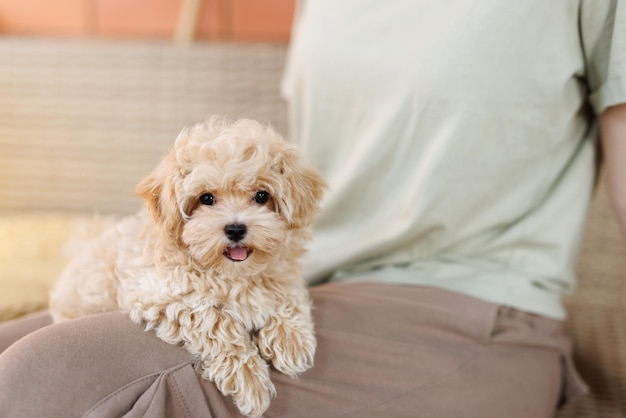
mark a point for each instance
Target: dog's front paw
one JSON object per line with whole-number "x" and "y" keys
{"x": 290, "y": 347}
{"x": 246, "y": 380}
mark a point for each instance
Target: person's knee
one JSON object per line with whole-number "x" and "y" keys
{"x": 76, "y": 363}
{"x": 13, "y": 330}
{"x": 38, "y": 374}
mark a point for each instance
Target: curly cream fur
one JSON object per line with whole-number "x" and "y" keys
{"x": 166, "y": 266}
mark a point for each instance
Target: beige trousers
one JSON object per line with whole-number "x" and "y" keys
{"x": 383, "y": 351}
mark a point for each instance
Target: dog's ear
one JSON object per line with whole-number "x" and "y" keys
{"x": 158, "y": 191}
{"x": 303, "y": 187}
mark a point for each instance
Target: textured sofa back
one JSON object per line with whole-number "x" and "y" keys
{"x": 81, "y": 122}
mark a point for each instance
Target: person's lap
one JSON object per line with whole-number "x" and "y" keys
{"x": 382, "y": 351}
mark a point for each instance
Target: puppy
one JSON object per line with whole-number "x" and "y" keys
{"x": 212, "y": 261}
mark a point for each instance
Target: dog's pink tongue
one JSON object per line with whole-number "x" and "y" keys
{"x": 238, "y": 253}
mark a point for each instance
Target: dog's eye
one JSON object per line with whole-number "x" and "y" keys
{"x": 207, "y": 199}
{"x": 261, "y": 197}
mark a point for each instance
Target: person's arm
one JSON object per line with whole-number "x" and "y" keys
{"x": 613, "y": 133}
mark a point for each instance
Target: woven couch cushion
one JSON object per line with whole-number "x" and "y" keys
{"x": 597, "y": 315}
{"x": 31, "y": 257}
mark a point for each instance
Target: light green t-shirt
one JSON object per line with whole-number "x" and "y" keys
{"x": 458, "y": 138}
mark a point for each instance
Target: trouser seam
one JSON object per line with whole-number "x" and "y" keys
{"x": 180, "y": 396}
{"x": 152, "y": 376}
{"x": 425, "y": 385}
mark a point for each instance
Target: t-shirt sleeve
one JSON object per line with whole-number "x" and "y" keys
{"x": 603, "y": 37}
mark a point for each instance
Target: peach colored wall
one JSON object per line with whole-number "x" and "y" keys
{"x": 241, "y": 20}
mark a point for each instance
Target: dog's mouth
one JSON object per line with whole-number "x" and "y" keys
{"x": 237, "y": 253}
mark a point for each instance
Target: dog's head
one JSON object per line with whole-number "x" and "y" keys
{"x": 229, "y": 193}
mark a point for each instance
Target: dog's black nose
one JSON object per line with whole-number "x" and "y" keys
{"x": 235, "y": 232}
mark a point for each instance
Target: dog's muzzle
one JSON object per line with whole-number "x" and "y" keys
{"x": 236, "y": 233}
